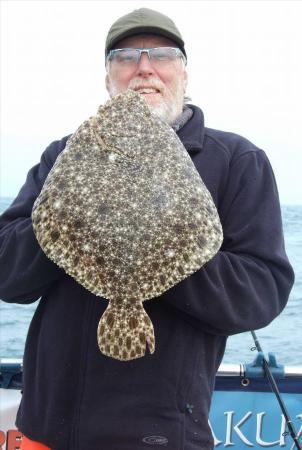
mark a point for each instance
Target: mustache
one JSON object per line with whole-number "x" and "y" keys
{"x": 151, "y": 82}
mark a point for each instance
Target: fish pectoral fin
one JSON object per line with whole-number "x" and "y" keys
{"x": 125, "y": 332}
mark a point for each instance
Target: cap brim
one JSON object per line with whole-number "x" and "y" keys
{"x": 147, "y": 30}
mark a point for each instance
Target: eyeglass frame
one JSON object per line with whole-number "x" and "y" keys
{"x": 145, "y": 50}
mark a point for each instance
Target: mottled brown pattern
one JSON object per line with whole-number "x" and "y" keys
{"x": 125, "y": 212}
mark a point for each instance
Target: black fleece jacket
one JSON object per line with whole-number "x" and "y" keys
{"x": 74, "y": 397}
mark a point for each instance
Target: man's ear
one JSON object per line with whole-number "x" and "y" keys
{"x": 185, "y": 83}
{"x": 107, "y": 83}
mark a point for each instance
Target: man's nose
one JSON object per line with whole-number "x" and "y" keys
{"x": 144, "y": 66}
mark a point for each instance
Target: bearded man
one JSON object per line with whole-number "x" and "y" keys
{"x": 74, "y": 397}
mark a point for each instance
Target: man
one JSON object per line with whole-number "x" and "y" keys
{"x": 78, "y": 399}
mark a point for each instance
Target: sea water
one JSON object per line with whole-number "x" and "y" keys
{"x": 282, "y": 337}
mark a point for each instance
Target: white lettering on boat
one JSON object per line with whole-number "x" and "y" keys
{"x": 234, "y": 428}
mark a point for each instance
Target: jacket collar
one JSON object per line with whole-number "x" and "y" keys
{"x": 192, "y": 133}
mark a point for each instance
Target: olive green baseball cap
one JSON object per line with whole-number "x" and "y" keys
{"x": 143, "y": 20}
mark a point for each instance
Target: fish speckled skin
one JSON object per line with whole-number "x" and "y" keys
{"x": 125, "y": 213}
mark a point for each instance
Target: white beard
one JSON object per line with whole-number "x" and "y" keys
{"x": 167, "y": 112}
{"x": 171, "y": 105}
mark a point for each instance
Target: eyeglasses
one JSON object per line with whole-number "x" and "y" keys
{"x": 158, "y": 56}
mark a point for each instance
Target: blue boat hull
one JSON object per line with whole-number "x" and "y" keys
{"x": 245, "y": 413}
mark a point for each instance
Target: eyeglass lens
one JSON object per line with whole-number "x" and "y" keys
{"x": 131, "y": 56}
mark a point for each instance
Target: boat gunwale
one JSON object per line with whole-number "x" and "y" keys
{"x": 225, "y": 370}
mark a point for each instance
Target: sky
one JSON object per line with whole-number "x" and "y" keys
{"x": 244, "y": 66}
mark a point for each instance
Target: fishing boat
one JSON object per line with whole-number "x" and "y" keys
{"x": 245, "y": 412}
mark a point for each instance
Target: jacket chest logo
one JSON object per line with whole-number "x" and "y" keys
{"x": 155, "y": 440}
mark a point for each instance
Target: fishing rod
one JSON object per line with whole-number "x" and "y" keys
{"x": 276, "y": 391}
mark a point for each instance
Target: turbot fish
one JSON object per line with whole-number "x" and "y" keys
{"x": 125, "y": 213}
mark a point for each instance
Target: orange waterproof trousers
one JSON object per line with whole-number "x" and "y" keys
{"x": 27, "y": 444}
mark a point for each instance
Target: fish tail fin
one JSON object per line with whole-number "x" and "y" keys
{"x": 125, "y": 332}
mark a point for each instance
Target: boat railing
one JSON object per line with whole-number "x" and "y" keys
{"x": 11, "y": 367}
